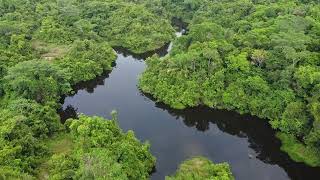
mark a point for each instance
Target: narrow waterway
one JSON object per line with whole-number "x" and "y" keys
{"x": 247, "y": 143}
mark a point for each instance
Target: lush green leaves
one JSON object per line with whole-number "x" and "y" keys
{"x": 83, "y": 63}
{"x": 137, "y": 29}
{"x": 262, "y": 59}
{"x": 37, "y": 80}
{"x": 201, "y": 168}
{"x": 102, "y": 151}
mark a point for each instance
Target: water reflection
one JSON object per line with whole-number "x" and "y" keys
{"x": 262, "y": 144}
{"x": 67, "y": 113}
{"x": 247, "y": 143}
{"x": 260, "y": 135}
{"x": 91, "y": 85}
{"x": 125, "y": 52}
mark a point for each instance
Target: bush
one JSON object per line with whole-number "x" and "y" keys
{"x": 102, "y": 151}
{"x": 201, "y": 168}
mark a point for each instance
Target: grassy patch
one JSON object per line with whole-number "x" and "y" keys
{"x": 60, "y": 144}
{"x": 298, "y": 151}
{"x": 50, "y": 51}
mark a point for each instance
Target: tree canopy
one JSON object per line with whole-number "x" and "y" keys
{"x": 252, "y": 56}
{"x": 256, "y": 57}
{"x": 202, "y": 168}
{"x": 102, "y": 151}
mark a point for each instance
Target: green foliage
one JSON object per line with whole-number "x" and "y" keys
{"x": 263, "y": 59}
{"x": 37, "y": 80}
{"x": 137, "y": 29}
{"x": 183, "y": 75}
{"x": 42, "y": 119}
{"x": 298, "y": 151}
{"x": 23, "y": 125}
{"x": 294, "y": 119}
{"x": 47, "y": 46}
{"x": 83, "y": 63}
{"x": 201, "y": 168}
{"x": 63, "y": 166}
{"x": 8, "y": 173}
{"x": 102, "y": 151}
{"x": 19, "y": 148}
{"x": 206, "y": 31}
{"x": 258, "y": 57}
{"x": 53, "y": 32}
{"x": 130, "y": 25}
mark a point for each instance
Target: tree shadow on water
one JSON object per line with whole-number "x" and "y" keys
{"x": 260, "y": 135}
{"x": 162, "y": 51}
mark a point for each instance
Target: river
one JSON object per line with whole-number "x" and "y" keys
{"x": 247, "y": 143}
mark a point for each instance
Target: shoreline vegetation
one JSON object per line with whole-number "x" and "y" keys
{"x": 260, "y": 59}
{"x": 201, "y": 168}
{"x": 48, "y": 47}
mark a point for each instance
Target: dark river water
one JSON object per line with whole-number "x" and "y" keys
{"x": 247, "y": 143}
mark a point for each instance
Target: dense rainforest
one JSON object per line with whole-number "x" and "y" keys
{"x": 256, "y": 57}
{"x": 253, "y": 56}
{"x": 46, "y": 47}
